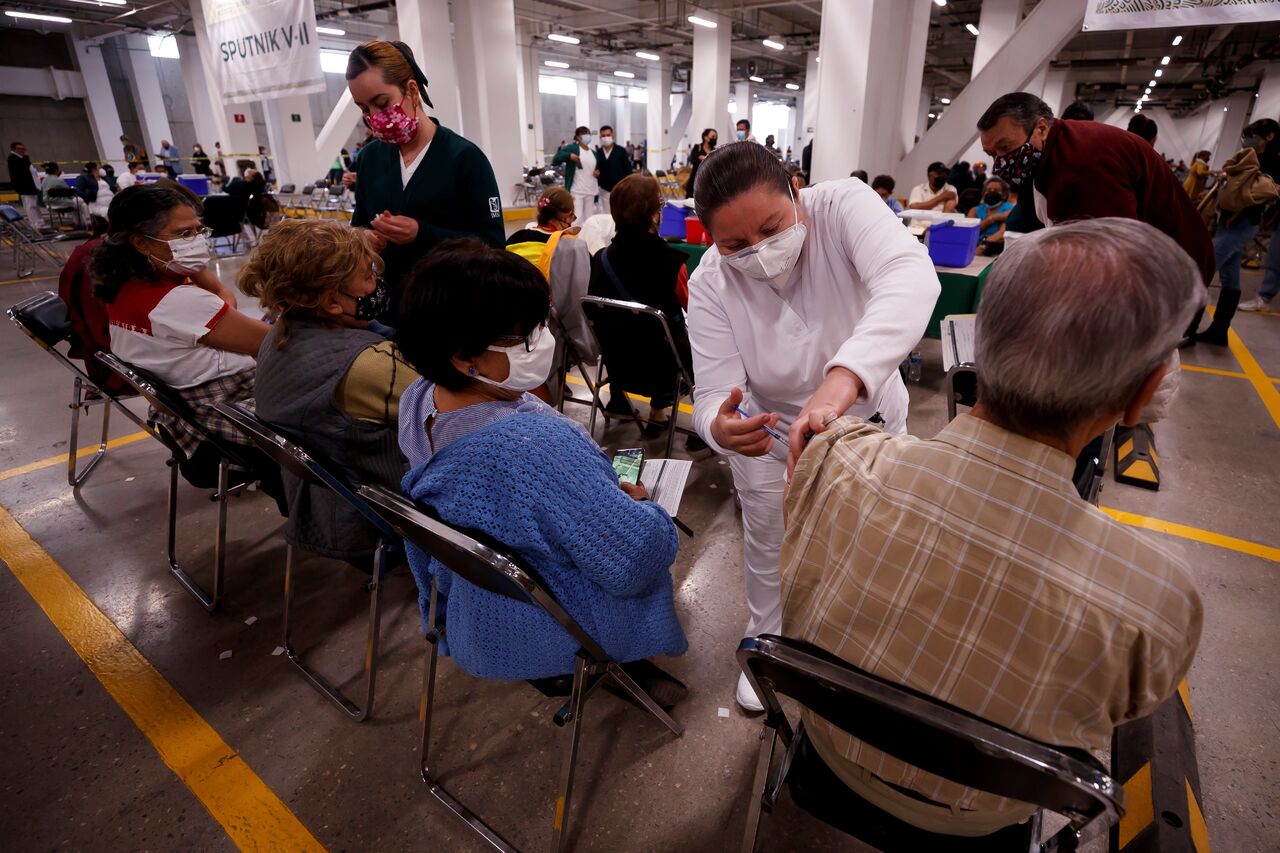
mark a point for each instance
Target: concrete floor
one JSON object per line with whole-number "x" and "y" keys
{"x": 78, "y": 773}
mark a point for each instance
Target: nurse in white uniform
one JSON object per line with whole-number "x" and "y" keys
{"x": 802, "y": 315}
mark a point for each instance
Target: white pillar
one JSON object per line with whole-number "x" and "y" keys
{"x": 743, "y": 102}
{"x": 587, "y": 105}
{"x": 292, "y": 144}
{"x": 710, "y": 82}
{"x": 1267, "y": 104}
{"x": 622, "y": 108}
{"x": 1233, "y": 122}
{"x": 206, "y": 113}
{"x": 809, "y": 119}
{"x": 996, "y": 23}
{"x": 99, "y": 103}
{"x": 148, "y": 99}
{"x": 1057, "y": 89}
{"x": 875, "y": 48}
{"x": 679, "y": 131}
{"x": 425, "y": 27}
{"x": 922, "y": 116}
{"x": 658, "y": 117}
{"x": 487, "y": 84}
{"x": 239, "y": 138}
{"x": 530, "y": 101}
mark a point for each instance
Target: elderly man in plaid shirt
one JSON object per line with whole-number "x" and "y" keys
{"x": 967, "y": 566}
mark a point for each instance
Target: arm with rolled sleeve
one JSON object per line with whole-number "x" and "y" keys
{"x": 903, "y": 288}
{"x": 717, "y": 363}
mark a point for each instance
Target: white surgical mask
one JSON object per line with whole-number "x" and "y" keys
{"x": 586, "y": 139}
{"x": 528, "y": 367}
{"x": 606, "y": 141}
{"x": 773, "y": 258}
{"x": 190, "y": 254}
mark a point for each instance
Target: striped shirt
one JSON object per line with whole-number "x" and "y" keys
{"x": 967, "y": 567}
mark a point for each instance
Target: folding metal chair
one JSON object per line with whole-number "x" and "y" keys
{"x": 29, "y": 245}
{"x": 922, "y": 731}
{"x": 644, "y": 326}
{"x": 44, "y": 319}
{"x": 224, "y": 216}
{"x": 167, "y": 401}
{"x": 62, "y": 202}
{"x": 490, "y": 566}
{"x": 291, "y": 456}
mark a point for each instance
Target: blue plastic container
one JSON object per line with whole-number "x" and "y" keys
{"x": 952, "y": 244}
{"x": 198, "y": 184}
{"x": 672, "y": 221}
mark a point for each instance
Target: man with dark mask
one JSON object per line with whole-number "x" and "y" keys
{"x": 1084, "y": 170}
{"x": 935, "y": 193}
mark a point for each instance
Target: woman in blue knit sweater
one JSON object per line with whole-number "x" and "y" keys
{"x": 487, "y": 455}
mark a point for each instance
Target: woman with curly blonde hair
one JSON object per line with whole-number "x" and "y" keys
{"x": 324, "y": 376}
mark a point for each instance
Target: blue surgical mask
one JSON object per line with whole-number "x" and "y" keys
{"x": 586, "y": 139}
{"x": 742, "y": 134}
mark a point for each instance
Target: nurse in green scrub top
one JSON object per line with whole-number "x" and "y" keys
{"x": 419, "y": 182}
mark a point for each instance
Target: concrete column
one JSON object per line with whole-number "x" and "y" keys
{"x": 487, "y": 84}
{"x": 1233, "y": 123}
{"x": 425, "y": 27}
{"x": 1037, "y": 40}
{"x": 876, "y": 49}
{"x": 710, "y": 81}
{"x": 1204, "y": 129}
{"x": 658, "y": 117}
{"x": 680, "y": 131}
{"x": 1267, "y": 104}
{"x": 587, "y": 106}
{"x": 206, "y": 112}
{"x": 292, "y": 144}
{"x": 530, "y": 102}
{"x": 99, "y": 103}
{"x": 622, "y": 108}
{"x": 1057, "y": 89}
{"x": 795, "y": 116}
{"x": 809, "y": 118}
{"x": 996, "y": 23}
{"x": 744, "y": 105}
{"x": 148, "y": 98}
{"x": 239, "y": 138}
{"x": 922, "y": 116}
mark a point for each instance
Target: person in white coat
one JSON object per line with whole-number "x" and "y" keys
{"x": 802, "y": 314}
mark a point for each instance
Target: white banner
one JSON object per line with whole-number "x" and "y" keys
{"x": 1150, "y": 14}
{"x": 264, "y": 48}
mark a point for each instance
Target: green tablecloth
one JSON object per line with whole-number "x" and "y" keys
{"x": 695, "y": 251}
{"x": 961, "y": 292}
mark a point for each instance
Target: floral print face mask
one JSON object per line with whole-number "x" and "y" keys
{"x": 392, "y": 125}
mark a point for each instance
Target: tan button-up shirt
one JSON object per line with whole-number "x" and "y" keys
{"x": 968, "y": 568}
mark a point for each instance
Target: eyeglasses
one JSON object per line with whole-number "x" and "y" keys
{"x": 528, "y": 340}
{"x": 189, "y": 234}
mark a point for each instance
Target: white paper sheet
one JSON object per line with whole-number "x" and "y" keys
{"x": 665, "y": 479}
{"x": 957, "y": 339}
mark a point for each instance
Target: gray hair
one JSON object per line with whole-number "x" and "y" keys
{"x": 1023, "y": 107}
{"x": 1074, "y": 319}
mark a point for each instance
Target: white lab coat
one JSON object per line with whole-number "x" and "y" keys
{"x": 859, "y": 298}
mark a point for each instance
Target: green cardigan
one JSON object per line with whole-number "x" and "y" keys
{"x": 570, "y": 167}
{"x": 452, "y": 193}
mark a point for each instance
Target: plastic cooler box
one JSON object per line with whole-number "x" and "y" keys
{"x": 952, "y": 243}
{"x": 694, "y": 232}
{"x": 672, "y": 224}
{"x": 198, "y": 184}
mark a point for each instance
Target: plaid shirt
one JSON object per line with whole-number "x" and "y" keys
{"x": 236, "y": 387}
{"x": 967, "y": 567}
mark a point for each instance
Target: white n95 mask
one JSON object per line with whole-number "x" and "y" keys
{"x": 773, "y": 258}
{"x": 528, "y": 364}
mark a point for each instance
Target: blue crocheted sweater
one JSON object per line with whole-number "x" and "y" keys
{"x": 541, "y": 487}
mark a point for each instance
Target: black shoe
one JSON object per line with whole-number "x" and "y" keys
{"x": 695, "y": 444}
{"x": 1213, "y": 335}
{"x": 618, "y": 405}
{"x": 663, "y": 688}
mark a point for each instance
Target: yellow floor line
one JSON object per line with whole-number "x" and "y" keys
{"x": 1195, "y": 534}
{"x": 61, "y": 459}
{"x": 684, "y": 407}
{"x": 253, "y": 817}
{"x": 1257, "y": 376}
{"x": 28, "y": 279}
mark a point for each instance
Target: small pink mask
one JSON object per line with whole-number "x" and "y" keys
{"x": 392, "y": 125}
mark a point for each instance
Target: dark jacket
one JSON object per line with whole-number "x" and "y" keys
{"x": 87, "y": 187}
{"x": 613, "y": 167}
{"x": 20, "y": 175}
{"x": 1089, "y": 169}
{"x": 453, "y": 193}
{"x": 696, "y": 156}
{"x": 571, "y": 167}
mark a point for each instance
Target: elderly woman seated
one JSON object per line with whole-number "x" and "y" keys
{"x": 489, "y": 456}
{"x": 324, "y": 377}
{"x": 172, "y": 317}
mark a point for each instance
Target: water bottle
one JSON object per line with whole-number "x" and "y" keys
{"x": 914, "y": 362}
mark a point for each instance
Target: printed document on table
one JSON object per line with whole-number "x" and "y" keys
{"x": 957, "y": 339}
{"x": 665, "y": 479}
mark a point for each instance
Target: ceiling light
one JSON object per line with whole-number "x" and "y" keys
{"x": 940, "y": 2}
{"x": 1148, "y": 91}
{"x": 652, "y": 57}
{"x": 331, "y": 31}
{"x": 552, "y": 63}
{"x": 626, "y": 74}
{"x": 931, "y": 115}
{"x": 1224, "y": 109}
{"x": 1177, "y": 40}
{"x": 702, "y": 22}
{"x": 795, "y": 87}
{"x": 31, "y": 16}
{"x": 971, "y": 28}
{"x": 563, "y": 38}
{"x": 817, "y": 59}
{"x": 944, "y": 100}
{"x": 771, "y": 43}
{"x": 1164, "y": 60}
{"x": 1151, "y": 82}
{"x": 1138, "y": 108}
{"x": 102, "y": 2}
{"x": 754, "y": 79}
{"x": 1159, "y": 72}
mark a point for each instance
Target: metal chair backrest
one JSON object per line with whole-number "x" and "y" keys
{"x": 293, "y": 457}
{"x": 224, "y": 214}
{"x": 60, "y": 193}
{"x": 636, "y": 342}
{"x": 476, "y": 558}
{"x": 929, "y": 734}
{"x": 46, "y": 319}
{"x": 287, "y": 189}
{"x": 306, "y": 189}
